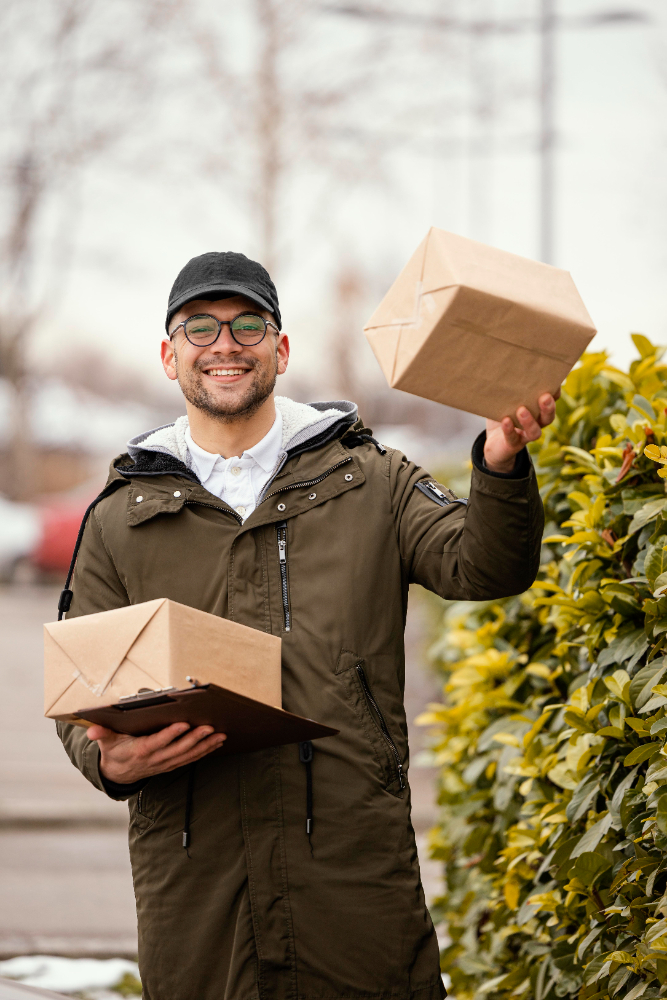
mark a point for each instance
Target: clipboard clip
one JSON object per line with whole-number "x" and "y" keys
{"x": 146, "y": 693}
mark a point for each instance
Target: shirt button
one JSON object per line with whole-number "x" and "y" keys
{"x": 240, "y": 510}
{"x": 236, "y": 471}
{"x": 177, "y": 493}
{"x": 139, "y": 499}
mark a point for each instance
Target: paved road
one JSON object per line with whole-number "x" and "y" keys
{"x": 64, "y": 867}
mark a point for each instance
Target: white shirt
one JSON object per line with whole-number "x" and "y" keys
{"x": 239, "y": 481}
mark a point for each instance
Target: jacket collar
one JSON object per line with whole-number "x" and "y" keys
{"x": 304, "y": 426}
{"x": 310, "y": 480}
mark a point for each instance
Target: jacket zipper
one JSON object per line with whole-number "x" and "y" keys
{"x": 383, "y": 725}
{"x": 281, "y": 529}
{"x": 309, "y": 482}
{"x": 139, "y": 798}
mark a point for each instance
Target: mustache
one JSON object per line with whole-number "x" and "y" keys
{"x": 201, "y": 363}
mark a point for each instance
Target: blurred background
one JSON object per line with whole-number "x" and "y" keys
{"x": 323, "y": 139}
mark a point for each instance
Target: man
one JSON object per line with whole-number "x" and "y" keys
{"x": 290, "y": 519}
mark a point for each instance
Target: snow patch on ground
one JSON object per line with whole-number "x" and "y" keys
{"x": 69, "y": 975}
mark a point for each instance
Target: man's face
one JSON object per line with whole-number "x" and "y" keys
{"x": 225, "y": 380}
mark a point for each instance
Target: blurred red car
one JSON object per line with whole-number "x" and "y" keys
{"x": 60, "y": 521}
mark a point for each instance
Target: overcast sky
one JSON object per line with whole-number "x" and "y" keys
{"x": 135, "y": 232}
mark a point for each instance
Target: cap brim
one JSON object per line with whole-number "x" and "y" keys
{"x": 209, "y": 290}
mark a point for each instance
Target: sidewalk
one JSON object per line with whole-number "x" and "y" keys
{"x": 64, "y": 865}
{"x": 38, "y": 785}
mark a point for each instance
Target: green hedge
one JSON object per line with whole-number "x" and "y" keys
{"x": 551, "y": 739}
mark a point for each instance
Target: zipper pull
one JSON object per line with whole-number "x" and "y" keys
{"x": 401, "y": 780}
{"x": 282, "y": 547}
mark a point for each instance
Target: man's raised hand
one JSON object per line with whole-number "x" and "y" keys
{"x": 126, "y": 759}
{"x": 504, "y": 441}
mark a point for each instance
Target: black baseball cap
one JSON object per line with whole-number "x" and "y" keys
{"x": 222, "y": 275}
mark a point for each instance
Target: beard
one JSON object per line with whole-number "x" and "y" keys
{"x": 239, "y": 405}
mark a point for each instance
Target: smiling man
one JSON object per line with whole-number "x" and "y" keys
{"x": 289, "y": 873}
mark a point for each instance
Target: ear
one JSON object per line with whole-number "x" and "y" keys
{"x": 282, "y": 352}
{"x": 168, "y": 360}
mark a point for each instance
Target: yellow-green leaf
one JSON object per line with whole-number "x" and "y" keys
{"x": 642, "y": 753}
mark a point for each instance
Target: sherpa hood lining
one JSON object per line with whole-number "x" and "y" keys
{"x": 301, "y": 423}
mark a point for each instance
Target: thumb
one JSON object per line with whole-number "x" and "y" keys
{"x": 99, "y": 733}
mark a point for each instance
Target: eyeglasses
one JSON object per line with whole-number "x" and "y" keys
{"x": 246, "y": 329}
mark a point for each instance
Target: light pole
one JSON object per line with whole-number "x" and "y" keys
{"x": 547, "y": 140}
{"x": 547, "y": 26}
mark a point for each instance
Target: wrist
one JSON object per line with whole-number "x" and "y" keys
{"x": 504, "y": 466}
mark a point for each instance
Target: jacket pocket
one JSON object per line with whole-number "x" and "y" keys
{"x": 352, "y": 669}
{"x": 141, "y": 813}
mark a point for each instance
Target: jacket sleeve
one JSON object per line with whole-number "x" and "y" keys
{"x": 96, "y": 587}
{"x": 486, "y": 549}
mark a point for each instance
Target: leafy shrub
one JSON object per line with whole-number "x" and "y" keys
{"x": 551, "y": 740}
{"x": 128, "y": 986}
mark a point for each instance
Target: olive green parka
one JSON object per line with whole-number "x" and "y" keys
{"x": 255, "y": 909}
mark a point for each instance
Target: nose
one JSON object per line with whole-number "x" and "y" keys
{"x": 225, "y": 344}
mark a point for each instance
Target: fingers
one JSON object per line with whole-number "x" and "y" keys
{"x": 185, "y": 743}
{"x": 504, "y": 440}
{"x": 547, "y": 405}
{"x": 530, "y": 428}
{"x": 169, "y": 744}
{"x": 513, "y": 436}
{"x": 198, "y": 741}
{"x": 161, "y": 739}
{"x": 201, "y": 749}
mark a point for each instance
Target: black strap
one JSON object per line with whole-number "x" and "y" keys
{"x": 188, "y": 806}
{"x": 65, "y": 600}
{"x": 306, "y": 757}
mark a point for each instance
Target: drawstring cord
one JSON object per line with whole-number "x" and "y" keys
{"x": 66, "y": 595}
{"x": 306, "y": 757}
{"x": 356, "y": 439}
{"x": 188, "y": 807}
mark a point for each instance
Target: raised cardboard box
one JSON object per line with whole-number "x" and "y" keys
{"x": 96, "y": 660}
{"x": 477, "y": 328}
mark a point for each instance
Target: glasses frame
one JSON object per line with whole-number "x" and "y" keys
{"x": 224, "y": 322}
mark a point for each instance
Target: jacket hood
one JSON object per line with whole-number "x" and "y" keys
{"x": 305, "y": 426}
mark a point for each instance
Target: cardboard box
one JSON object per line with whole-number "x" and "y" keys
{"x": 97, "y": 659}
{"x": 477, "y": 328}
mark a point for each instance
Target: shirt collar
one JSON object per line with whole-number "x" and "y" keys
{"x": 203, "y": 461}
{"x": 265, "y": 453}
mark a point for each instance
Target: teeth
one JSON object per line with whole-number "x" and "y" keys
{"x": 225, "y": 371}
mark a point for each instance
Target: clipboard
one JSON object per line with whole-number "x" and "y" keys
{"x": 249, "y": 724}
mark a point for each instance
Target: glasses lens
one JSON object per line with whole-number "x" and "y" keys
{"x": 248, "y": 329}
{"x": 201, "y": 330}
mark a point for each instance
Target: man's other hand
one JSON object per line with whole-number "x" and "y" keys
{"x": 504, "y": 441}
{"x": 126, "y": 759}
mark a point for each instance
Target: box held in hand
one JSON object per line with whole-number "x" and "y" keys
{"x": 477, "y": 328}
{"x": 94, "y": 662}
